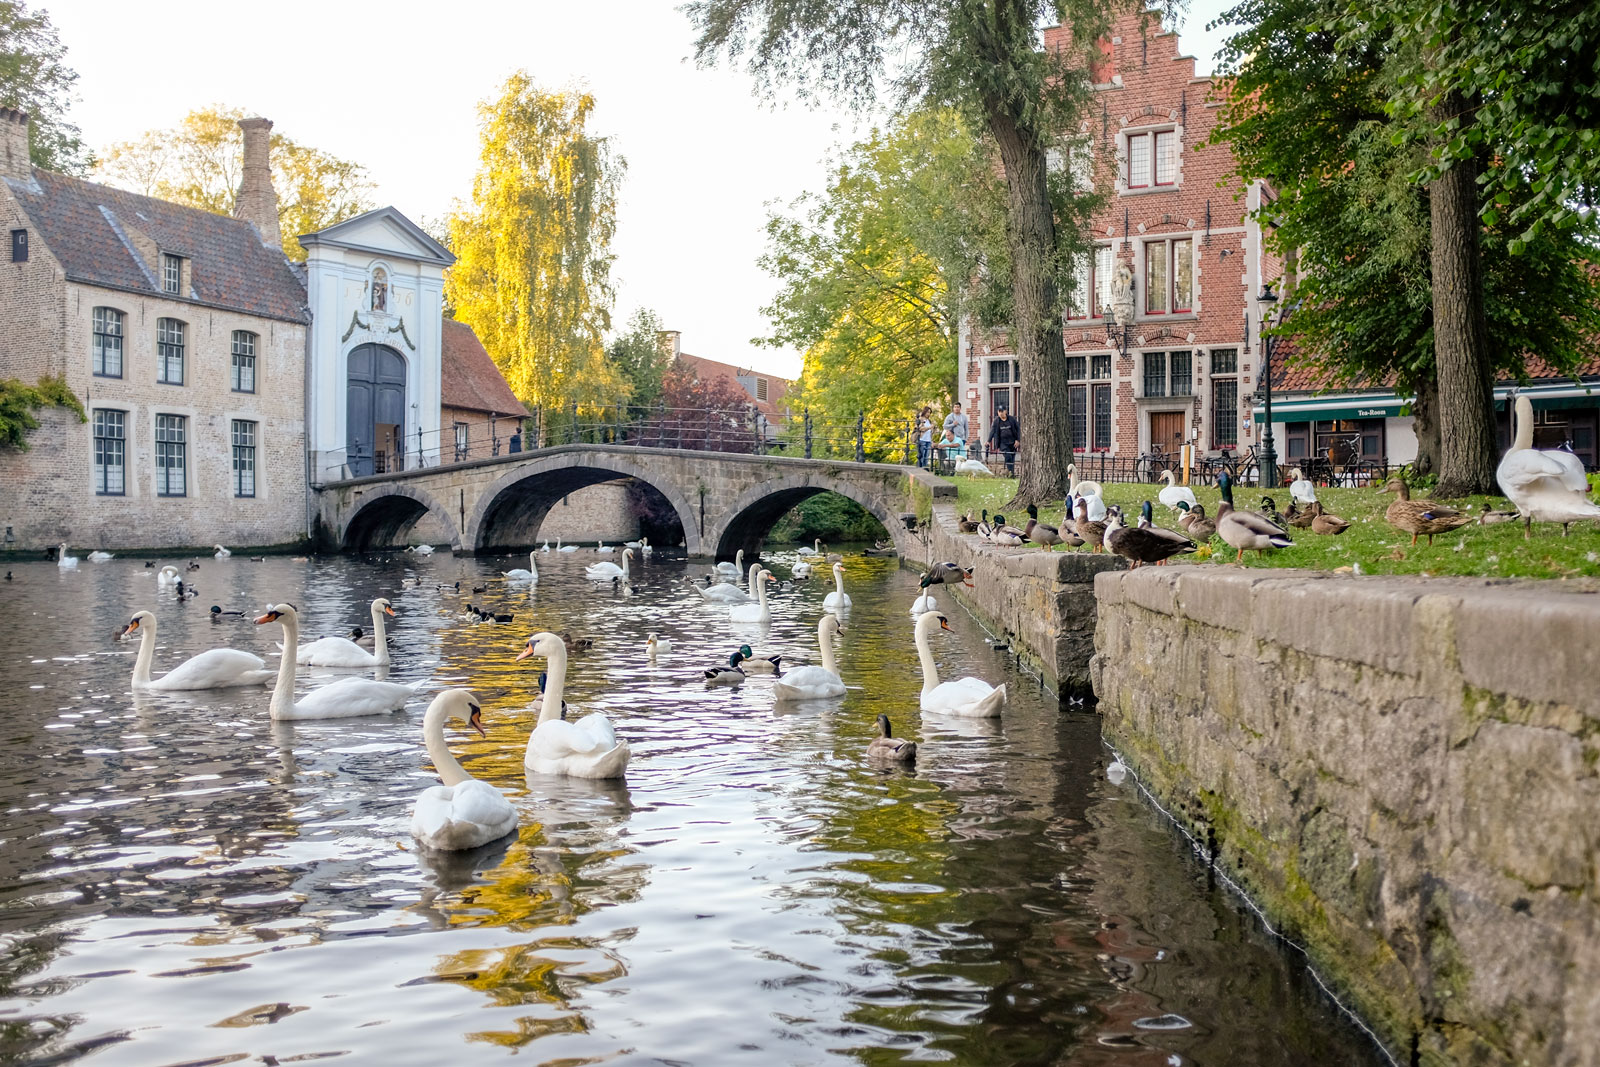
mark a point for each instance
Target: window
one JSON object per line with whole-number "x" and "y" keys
{"x": 1155, "y": 374}
{"x": 1152, "y": 159}
{"x": 1092, "y": 291}
{"x": 1168, "y": 374}
{"x": 463, "y": 440}
{"x": 1100, "y": 366}
{"x": 171, "y": 273}
{"x": 1225, "y": 361}
{"x": 110, "y": 451}
{"x": 1078, "y": 416}
{"x": 1168, "y": 276}
{"x": 1139, "y": 161}
{"x": 999, "y": 372}
{"x": 171, "y": 456}
{"x": 169, "y": 351}
{"x": 380, "y": 289}
{"x": 1225, "y": 412}
{"x": 1166, "y": 157}
{"x": 1077, "y": 368}
{"x": 105, "y": 342}
{"x": 1102, "y": 417}
{"x": 244, "y": 458}
{"x": 1295, "y": 433}
{"x": 19, "y": 246}
{"x": 244, "y": 361}
{"x": 761, "y": 388}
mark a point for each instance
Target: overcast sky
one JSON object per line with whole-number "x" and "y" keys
{"x": 394, "y": 85}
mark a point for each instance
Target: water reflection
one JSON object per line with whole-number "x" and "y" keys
{"x": 184, "y": 880}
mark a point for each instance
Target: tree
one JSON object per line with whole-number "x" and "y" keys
{"x": 199, "y": 162}
{"x": 982, "y": 58}
{"x": 34, "y": 78}
{"x": 639, "y": 356}
{"x": 18, "y": 402}
{"x": 533, "y": 270}
{"x": 713, "y": 413}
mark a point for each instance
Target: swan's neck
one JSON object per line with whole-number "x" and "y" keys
{"x": 533, "y": 564}
{"x": 817, "y": 545}
{"x": 283, "y": 692}
{"x": 753, "y": 576}
{"x": 625, "y": 567}
{"x": 930, "y": 669}
{"x": 555, "y": 684}
{"x": 147, "y": 653}
{"x": 838, "y": 582}
{"x": 1524, "y": 428}
{"x": 444, "y": 761}
{"x": 380, "y": 639}
{"x": 761, "y": 591}
{"x": 825, "y": 639}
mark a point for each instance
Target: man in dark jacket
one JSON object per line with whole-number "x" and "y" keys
{"x": 1005, "y": 435}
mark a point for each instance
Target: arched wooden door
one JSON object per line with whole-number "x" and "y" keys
{"x": 375, "y": 432}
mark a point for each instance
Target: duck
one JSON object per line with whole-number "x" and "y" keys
{"x": 886, "y": 746}
{"x": 1246, "y": 529}
{"x": 604, "y": 572}
{"x": 985, "y": 527}
{"x": 966, "y": 524}
{"x": 732, "y": 570}
{"x": 576, "y": 644}
{"x": 972, "y": 468}
{"x": 727, "y": 593}
{"x": 496, "y": 616}
{"x": 193, "y": 566}
{"x": 1423, "y": 517}
{"x": 604, "y": 549}
{"x": 838, "y": 598}
{"x": 812, "y": 682}
{"x": 218, "y": 615}
{"x": 762, "y": 662}
{"x": 484, "y": 588}
{"x": 518, "y": 574}
{"x": 1490, "y": 517}
{"x": 361, "y": 637}
{"x": 343, "y": 652}
{"x": 1175, "y": 494}
{"x": 100, "y": 557}
{"x": 463, "y": 812}
{"x": 1269, "y": 508}
{"x": 1194, "y": 522}
{"x": 1326, "y": 524}
{"x": 1299, "y": 514}
{"x": 64, "y": 561}
{"x": 1545, "y": 485}
{"x": 814, "y": 550}
{"x": 185, "y": 592}
{"x": 215, "y": 668}
{"x": 923, "y": 603}
{"x": 1040, "y": 533}
{"x": 760, "y": 611}
{"x": 587, "y": 748}
{"x": 833, "y": 557}
{"x": 1144, "y": 543}
{"x": 1093, "y": 531}
{"x": 729, "y": 674}
{"x": 1006, "y": 535}
{"x": 168, "y": 575}
{"x": 537, "y": 706}
{"x": 655, "y": 647}
{"x": 947, "y": 573}
{"x": 220, "y": 553}
{"x": 348, "y": 697}
{"x": 965, "y": 697}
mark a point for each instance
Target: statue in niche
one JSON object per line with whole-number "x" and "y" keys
{"x": 1122, "y": 295}
{"x": 380, "y": 290}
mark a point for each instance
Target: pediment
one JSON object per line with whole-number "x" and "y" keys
{"x": 383, "y": 231}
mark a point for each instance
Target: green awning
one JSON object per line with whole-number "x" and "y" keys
{"x": 1343, "y": 407}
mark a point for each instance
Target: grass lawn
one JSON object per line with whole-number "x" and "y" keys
{"x": 1370, "y": 544}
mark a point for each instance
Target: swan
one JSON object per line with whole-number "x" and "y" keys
{"x": 342, "y": 699}
{"x": 812, "y": 682}
{"x": 463, "y": 812}
{"x": 886, "y": 746}
{"x": 423, "y": 550}
{"x": 604, "y": 572}
{"x": 971, "y": 467}
{"x": 517, "y": 574}
{"x": 168, "y": 575}
{"x": 64, "y": 561}
{"x": 759, "y": 611}
{"x": 655, "y": 646}
{"x": 838, "y": 598}
{"x": 1175, "y": 493}
{"x": 587, "y": 748}
{"x": 565, "y": 548}
{"x": 1549, "y": 486}
{"x": 221, "y": 553}
{"x": 644, "y": 547}
{"x": 215, "y": 668}
{"x": 604, "y": 549}
{"x": 343, "y": 652}
{"x": 1088, "y": 492}
{"x": 1300, "y": 488}
{"x": 814, "y": 550}
{"x": 729, "y": 594}
{"x": 968, "y": 697}
{"x": 801, "y": 570}
{"x": 546, "y": 546}
{"x": 924, "y": 603}
{"x": 735, "y": 568}
{"x": 100, "y": 557}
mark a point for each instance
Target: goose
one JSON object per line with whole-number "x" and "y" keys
{"x": 734, "y": 569}
{"x": 1246, "y": 529}
{"x": 100, "y": 557}
{"x": 462, "y": 813}
{"x": 1174, "y": 493}
{"x": 64, "y": 561}
{"x": 343, "y": 652}
{"x": 813, "y": 682}
{"x": 517, "y": 574}
{"x": 1546, "y": 485}
{"x": 923, "y": 603}
{"x": 346, "y": 698}
{"x": 1417, "y": 517}
{"x": 728, "y": 674}
{"x": 886, "y": 746}
{"x": 838, "y": 598}
{"x": 1144, "y": 543}
{"x": 604, "y": 572}
{"x": 221, "y": 553}
{"x": 947, "y": 574}
{"x": 801, "y": 570}
{"x": 763, "y": 662}
{"x": 215, "y": 668}
{"x": 724, "y": 593}
{"x": 587, "y": 748}
{"x": 604, "y": 549}
{"x": 655, "y": 646}
{"x": 759, "y": 611}
{"x": 972, "y": 468}
{"x": 967, "y": 697}
{"x": 1300, "y": 487}
{"x": 565, "y": 548}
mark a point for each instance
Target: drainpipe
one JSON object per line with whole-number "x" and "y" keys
{"x": 305, "y": 408}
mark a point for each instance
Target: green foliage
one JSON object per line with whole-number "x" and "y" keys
{"x": 640, "y": 357}
{"x": 18, "y": 402}
{"x": 832, "y": 517}
{"x": 34, "y": 78}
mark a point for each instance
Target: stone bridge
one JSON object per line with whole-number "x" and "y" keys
{"x": 724, "y": 501}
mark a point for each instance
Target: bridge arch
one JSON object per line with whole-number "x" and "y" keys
{"x": 387, "y": 518}
{"x": 754, "y": 511}
{"x": 509, "y": 512}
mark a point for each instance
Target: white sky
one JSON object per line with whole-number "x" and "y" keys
{"x": 394, "y": 86}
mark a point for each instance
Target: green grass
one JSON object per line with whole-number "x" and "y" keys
{"x": 1370, "y": 543}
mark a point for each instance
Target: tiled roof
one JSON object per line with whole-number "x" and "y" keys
{"x": 1289, "y": 375}
{"x": 86, "y": 226}
{"x": 469, "y": 378}
{"x": 776, "y": 386}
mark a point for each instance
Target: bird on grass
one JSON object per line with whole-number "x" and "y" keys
{"x": 1420, "y": 518}
{"x": 1246, "y": 529}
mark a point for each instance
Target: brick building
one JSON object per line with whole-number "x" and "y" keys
{"x": 480, "y": 412}
{"x": 1181, "y": 227}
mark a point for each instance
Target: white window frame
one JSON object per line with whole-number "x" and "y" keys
{"x": 166, "y": 448}
{"x": 166, "y": 330}
{"x": 106, "y": 324}
{"x": 101, "y": 469}
{"x": 242, "y": 346}
{"x": 171, "y": 274}
{"x": 245, "y": 455}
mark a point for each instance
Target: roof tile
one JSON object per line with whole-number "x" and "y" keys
{"x": 469, "y": 378}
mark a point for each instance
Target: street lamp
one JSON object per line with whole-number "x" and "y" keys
{"x": 1269, "y": 454}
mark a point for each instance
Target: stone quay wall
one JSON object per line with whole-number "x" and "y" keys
{"x": 1401, "y": 772}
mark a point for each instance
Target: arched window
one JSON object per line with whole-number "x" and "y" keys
{"x": 380, "y": 289}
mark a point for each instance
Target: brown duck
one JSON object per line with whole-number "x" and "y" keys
{"x": 1093, "y": 533}
{"x": 1323, "y": 523}
{"x": 1420, "y": 517}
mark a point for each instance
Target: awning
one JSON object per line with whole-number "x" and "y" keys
{"x": 1388, "y": 406}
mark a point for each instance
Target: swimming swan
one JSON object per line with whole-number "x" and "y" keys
{"x": 815, "y": 550}
{"x": 604, "y": 572}
{"x": 812, "y": 682}
{"x": 759, "y": 611}
{"x": 735, "y": 568}
{"x": 724, "y": 593}
{"x": 215, "y": 668}
{"x": 168, "y": 575}
{"x": 463, "y": 812}
{"x": 344, "y": 652}
{"x": 838, "y": 598}
{"x": 967, "y": 697}
{"x": 345, "y": 698}
{"x": 220, "y": 553}
{"x": 587, "y": 748}
{"x": 517, "y": 574}
{"x": 64, "y": 561}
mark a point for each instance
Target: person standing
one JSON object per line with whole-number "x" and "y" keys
{"x": 955, "y": 424}
{"x": 1004, "y": 436}
{"x": 924, "y": 436}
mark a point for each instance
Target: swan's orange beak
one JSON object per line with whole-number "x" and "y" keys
{"x": 476, "y": 721}
{"x": 271, "y": 616}
{"x": 944, "y": 623}
{"x": 132, "y": 625}
{"x": 387, "y": 610}
{"x": 526, "y": 652}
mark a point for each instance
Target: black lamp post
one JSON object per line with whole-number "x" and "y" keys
{"x": 1269, "y": 453}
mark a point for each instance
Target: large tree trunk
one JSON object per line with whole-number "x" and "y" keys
{"x": 1426, "y": 413}
{"x": 1467, "y": 447}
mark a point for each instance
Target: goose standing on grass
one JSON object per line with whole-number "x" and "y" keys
{"x": 343, "y": 652}
{"x": 838, "y": 598}
{"x": 462, "y": 813}
{"x": 100, "y": 557}
{"x": 64, "y": 561}
{"x": 215, "y": 668}
{"x": 587, "y": 748}
{"x": 886, "y": 746}
{"x": 813, "y": 682}
{"x": 517, "y": 574}
{"x": 760, "y": 611}
{"x": 967, "y": 697}
{"x": 1545, "y": 485}
{"x": 604, "y": 572}
{"x": 220, "y": 553}
{"x": 1174, "y": 493}
{"x": 346, "y": 698}
{"x": 1246, "y": 529}
{"x": 734, "y": 569}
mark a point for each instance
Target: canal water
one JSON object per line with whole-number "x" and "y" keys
{"x": 183, "y": 881}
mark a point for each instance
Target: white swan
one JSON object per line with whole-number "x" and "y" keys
{"x": 215, "y": 668}
{"x": 545, "y": 547}
{"x": 565, "y": 548}
{"x": 345, "y": 698}
{"x": 924, "y": 603}
{"x": 759, "y": 611}
{"x": 735, "y": 568}
{"x": 655, "y": 646}
{"x": 1089, "y": 492}
{"x": 605, "y": 549}
{"x": 815, "y": 550}
{"x": 729, "y": 594}
{"x": 220, "y": 553}
{"x": 168, "y": 575}
{"x": 423, "y": 550}
{"x": 1548, "y": 486}
{"x": 801, "y": 569}
{"x": 604, "y": 572}
{"x": 968, "y": 697}
{"x": 812, "y": 682}
{"x": 587, "y": 748}
{"x": 972, "y": 467}
{"x": 343, "y": 652}
{"x": 838, "y": 598}
{"x": 1300, "y": 488}
{"x": 1175, "y": 493}
{"x": 100, "y": 557}
{"x": 644, "y": 547}
{"x": 64, "y": 561}
{"x": 463, "y": 812}
{"x": 517, "y": 574}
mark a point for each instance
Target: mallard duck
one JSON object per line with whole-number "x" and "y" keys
{"x": 1420, "y": 517}
{"x": 1489, "y": 518}
{"x": 1269, "y": 508}
{"x": 1007, "y": 535}
{"x": 1299, "y": 514}
{"x": 763, "y": 662}
{"x": 574, "y": 644}
{"x": 1143, "y": 544}
{"x": 218, "y": 615}
{"x": 1246, "y": 529}
{"x": 1194, "y": 522}
{"x": 1040, "y": 533}
{"x": 730, "y": 674}
{"x": 966, "y": 525}
{"x": 947, "y": 574}
{"x": 985, "y": 527}
{"x": 886, "y": 746}
{"x": 1550, "y": 486}
{"x": 1323, "y": 523}
{"x": 1175, "y": 494}
{"x": 1093, "y": 532}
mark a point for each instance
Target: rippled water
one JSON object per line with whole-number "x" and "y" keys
{"x": 183, "y": 881}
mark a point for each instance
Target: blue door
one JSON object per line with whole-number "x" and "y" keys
{"x": 375, "y": 411}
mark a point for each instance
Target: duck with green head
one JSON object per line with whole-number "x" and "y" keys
{"x": 1246, "y": 529}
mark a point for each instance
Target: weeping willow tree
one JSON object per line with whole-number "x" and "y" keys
{"x": 533, "y": 270}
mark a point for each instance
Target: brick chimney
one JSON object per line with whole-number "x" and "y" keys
{"x": 14, "y": 145}
{"x": 257, "y": 200}
{"x": 671, "y": 342}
